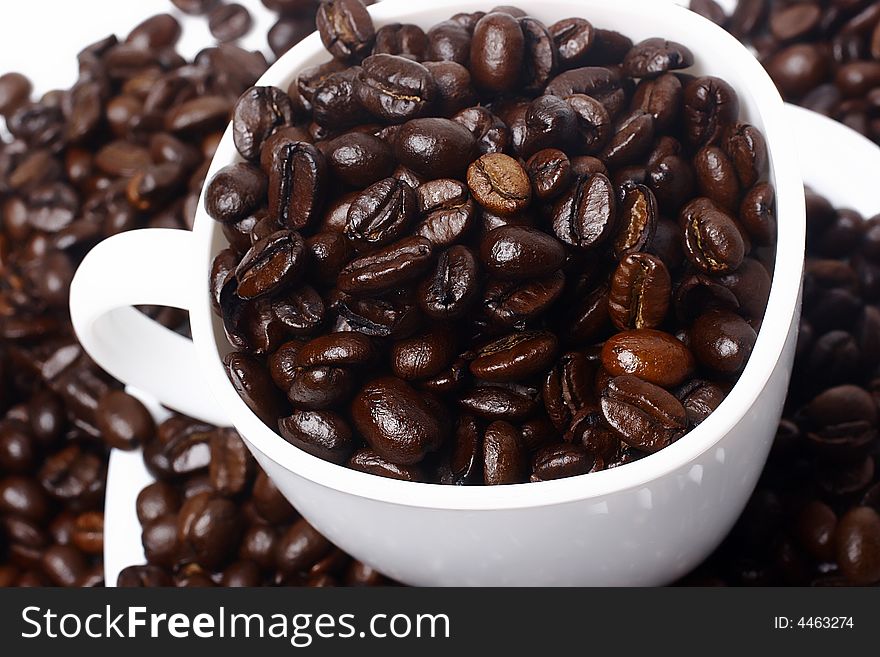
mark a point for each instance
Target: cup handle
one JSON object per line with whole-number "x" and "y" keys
{"x": 142, "y": 267}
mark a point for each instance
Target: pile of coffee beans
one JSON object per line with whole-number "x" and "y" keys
{"x": 824, "y": 55}
{"x": 214, "y": 518}
{"x": 126, "y": 147}
{"x": 493, "y": 252}
{"x": 814, "y": 516}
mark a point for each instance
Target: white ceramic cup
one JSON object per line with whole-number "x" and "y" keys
{"x": 645, "y": 523}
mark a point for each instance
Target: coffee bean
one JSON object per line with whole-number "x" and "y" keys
{"x": 396, "y": 421}
{"x": 386, "y": 268}
{"x": 156, "y": 500}
{"x": 513, "y": 303}
{"x": 381, "y": 213}
{"x": 446, "y": 209}
{"x": 366, "y": 460}
{"x": 539, "y": 55}
{"x": 515, "y": 357}
{"x": 585, "y": 216}
{"x": 452, "y": 286}
{"x": 123, "y": 420}
{"x": 700, "y": 399}
{"x": 235, "y": 192}
{"x": 497, "y": 403}
{"x": 15, "y": 89}
{"x": 520, "y": 252}
{"x": 712, "y": 240}
{"x": 637, "y": 218}
{"x": 499, "y": 184}
{"x": 640, "y": 292}
{"x": 657, "y": 357}
{"x": 434, "y": 147}
{"x": 857, "y": 545}
{"x": 449, "y": 41}
{"x": 297, "y": 175}
{"x": 573, "y": 39}
{"x": 346, "y": 28}
{"x": 550, "y": 173}
{"x": 497, "y": 52}
{"x": 423, "y": 356}
{"x": 229, "y": 22}
{"x": 710, "y": 105}
{"x": 406, "y": 39}
{"x": 643, "y": 415}
{"x": 504, "y": 456}
{"x": 653, "y": 57}
{"x": 559, "y": 461}
{"x": 395, "y": 89}
{"x": 210, "y": 527}
{"x": 491, "y": 133}
{"x": 259, "y": 113}
{"x": 722, "y": 341}
{"x": 322, "y": 433}
{"x": 550, "y": 122}
{"x": 758, "y": 213}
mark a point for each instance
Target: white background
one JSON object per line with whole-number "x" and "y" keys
{"x": 41, "y": 38}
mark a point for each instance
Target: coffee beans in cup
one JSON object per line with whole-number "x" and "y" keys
{"x": 494, "y": 252}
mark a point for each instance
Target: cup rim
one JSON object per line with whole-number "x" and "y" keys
{"x": 781, "y": 310}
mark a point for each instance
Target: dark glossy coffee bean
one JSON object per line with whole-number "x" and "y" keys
{"x": 551, "y": 122}
{"x": 21, "y": 496}
{"x": 159, "y": 538}
{"x": 396, "y": 421}
{"x": 454, "y": 88}
{"x": 287, "y": 32}
{"x": 452, "y": 287}
{"x": 550, "y": 173}
{"x": 434, "y": 147}
{"x": 194, "y": 7}
{"x": 269, "y": 503}
{"x": 446, "y": 209}
{"x": 74, "y": 477}
{"x": 320, "y": 387}
{"x": 700, "y": 399}
{"x": 797, "y": 69}
{"x": 449, "y": 41}
{"x": 750, "y": 284}
{"x": 640, "y": 292}
{"x": 497, "y": 50}
{"x": 258, "y": 114}
{"x": 491, "y": 133}
{"x": 631, "y": 139}
{"x": 64, "y": 565}
{"x": 272, "y": 264}
{"x": 637, "y": 219}
{"x": 516, "y": 252}
{"x": 643, "y": 415}
{"x": 499, "y": 184}
{"x": 745, "y": 146}
{"x": 381, "y": 317}
{"x": 229, "y": 22}
{"x": 395, "y": 89}
{"x": 366, "y": 460}
{"x": 297, "y": 181}
{"x": 18, "y": 448}
{"x": 515, "y": 357}
{"x": 346, "y": 28}
{"x": 210, "y": 527}
{"x": 335, "y": 105}
{"x": 124, "y": 421}
{"x": 156, "y": 500}
{"x": 712, "y": 240}
{"x": 814, "y": 529}
{"x": 328, "y": 253}
{"x": 540, "y": 55}
{"x": 655, "y": 56}
{"x": 585, "y": 217}
{"x": 654, "y": 356}
{"x": 466, "y": 459}
{"x": 593, "y": 122}
{"x": 573, "y": 39}
{"x": 717, "y": 178}
{"x": 587, "y": 319}
{"x": 387, "y": 268}
{"x": 568, "y": 389}
{"x": 497, "y": 403}
{"x": 513, "y": 303}
{"x": 758, "y": 213}
{"x": 381, "y": 213}
{"x": 661, "y": 98}
{"x": 560, "y": 461}
{"x": 423, "y": 356}
{"x": 857, "y": 545}
{"x": 143, "y": 577}
{"x": 324, "y": 434}
{"x": 235, "y": 192}
{"x": 603, "y": 84}
{"x": 258, "y": 545}
{"x": 15, "y": 90}
{"x": 231, "y": 466}
{"x": 405, "y": 39}
{"x": 452, "y": 379}
{"x": 505, "y": 460}
{"x": 709, "y": 106}
{"x": 347, "y": 349}
{"x": 253, "y": 384}
{"x": 722, "y": 341}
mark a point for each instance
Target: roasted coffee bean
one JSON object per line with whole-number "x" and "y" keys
{"x": 550, "y": 173}
{"x": 449, "y": 41}
{"x": 452, "y": 287}
{"x": 709, "y": 106}
{"x": 585, "y": 216}
{"x": 513, "y": 303}
{"x": 568, "y": 389}
{"x": 491, "y": 133}
{"x": 700, "y": 399}
{"x": 272, "y": 264}
{"x": 235, "y": 192}
{"x": 598, "y": 82}
{"x": 758, "y": 213}
{"x": 454, "y": 88}
{"x": 559, "y": 461}
{"x": 434, "y": 147}
{"x": 520, "y": 252}
{"x": 814, "y": 530}
{"x": 258, "y": 114}
{"x": 297, "y": 175}
{"x": 406, "y": 39}
{"x": 389, "y": 316}
{"x": 156, "y": 500}
{"x": 210, "y": 527}
{"x": 366, "y": 460}
{"x": 253, "y": 384}
{"x": 64, "y": 565}
{"x": 159, "y": 538}
{"x": 359, "y": 159}
{"x": 231, "y": 464}
{"x": 497, "y": 403}
{"x": 505, "y": 460}
{"x": 347, "y": 349}
{"x": 229, "y": 22}
{"x": 653, "y": 57}
{"x": 588, "y": 319}
{"x": 716, "y": 177}
{"x": 15, "y": 90}
{"x": 387, "y": 268}
{"x": 657, "y": 357}
{"x": 640, "y": 292}
{"x": 593, "y": 122}
{"x": 396, "y": 421}
{"x": 395, "y": 89}
{"x": 661, "y": 98}
{"x": 573, "y": 39}
{"x": 446, "y": 209}
{"x": 514, "y": 357}
{"x": 746, "y": 148}
{"x": 750, "y": 284}
{"x": 423, "y": 356}
{"x": 328, "y": 253}
{"x": 322, "y": 433}
{"x": 74, "y": 477}
{"x": 631, "y": 139}
{"x": 722, "y": 341}
{"x": 637, "y": 217}
{"x": 496, "y": 52}
{"x": 194, "y": 7}
{"x": 857, "y": 545}
{"x": 712, "y": 240}
{"x": 287, "y": 32}
{"x": 21, "y": 496}
{"x": 381, "y": 213}
{"x": 643, "y": 415}
{"x": 346, "y": 28}
{"x": 123, "y": 420}
{"x": 539, "y": 55}
{"x": 18, "y": 448}
{"x": 499, "y": 184}
{"x": 551, "y": 122}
